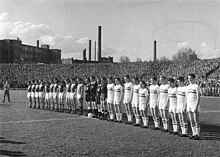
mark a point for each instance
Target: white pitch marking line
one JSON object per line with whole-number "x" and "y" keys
{"x": 41, "y": 120}
{"x": 211, "y": 111}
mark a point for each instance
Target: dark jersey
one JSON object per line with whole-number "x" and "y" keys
{"x": 68, "y": 88}
{"x": 29, "y": 88}
{"x": 73, "y": 88}
{"x": 37, "y": 88}
{"x": 87, "y": 92}
{"x": 41, "y": 88}
{"x": 104, "y": 91}
{"x": 61, "y": 88}
{"x": 47, "y": 88}
{"x": 93, "y": 89}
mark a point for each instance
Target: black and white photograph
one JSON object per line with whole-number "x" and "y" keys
{"x": 110, "y": 78}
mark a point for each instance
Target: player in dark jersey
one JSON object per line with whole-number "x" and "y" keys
{"x": 55, "y": 95}
{"x": 37, "y": 94}
{"x": 93, "y": 89}
{"x": 41, "y": 94}
{"x": 51, "y": 95}
{"x": 98, "y": 95}
{"x": 29, "y": 94}
{"x": 103, "y": 97}
{"x": 87, "y": 95}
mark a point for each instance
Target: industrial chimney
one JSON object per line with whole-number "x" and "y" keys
{"x": 90, "y": 42}
{"x": 38, "y": 43}
{"x": 99, "y": 43}
{"x": 95, "y": 52}
{"x": 155, "y": 50}
{"x": 84, "y": 55}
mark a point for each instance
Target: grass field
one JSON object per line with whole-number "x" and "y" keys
{"x": 32, "y": 132}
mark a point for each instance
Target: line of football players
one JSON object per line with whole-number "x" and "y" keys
{"x": 105, "y": 99}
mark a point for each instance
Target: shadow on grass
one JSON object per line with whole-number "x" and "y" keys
{"x": 11, "y": 153}
{"x": 11, "y": 142}
{"x": 210, "y": 132}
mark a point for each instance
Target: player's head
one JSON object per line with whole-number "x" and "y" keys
{"x": 136, "y": 81}
{"x": 171, "y": 82}
{"x": 127, "y": 78}
{"x": 142, "y": 84}
{"x": 180, "y": 81}
{"x": 117, "y": 80}
{"x": 103, "y": 80}
{"x": 163, "y": 79}
{"x": 92, "y": 78}
{"x": 191, "y": 78}
{"x": 87, "y": 80}
{"x": 79, "y": 80}
{"x": 153, "y": 80}
{"x": 110, "y": 80}
{"x": 29, "y": 83}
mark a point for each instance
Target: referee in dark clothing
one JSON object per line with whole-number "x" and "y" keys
{"x": 6, "y": 91}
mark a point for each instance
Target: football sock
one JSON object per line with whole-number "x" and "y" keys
{"x": 197, "y": 129}
{"x": 193, "y": 127}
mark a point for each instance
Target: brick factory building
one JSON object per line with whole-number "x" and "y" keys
{"x": 13, "y": 51}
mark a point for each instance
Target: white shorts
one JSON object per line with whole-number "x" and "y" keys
{"x": 116, "y": 102}
{"x": 142, "y": 106}
{"x": 180, "y": 108}
{"x": 172, "y": 108}
{"x": 29, "y": 95}
{"x": 72, "y": 95}
{"x": 153, "y": 104}
{"x": 135, "y": 104}
{"x": 68, "y": 95}
{"x": 40, "y": 94}
{"x": 32, "y": 94}
{"x": 36, "y": 94}
{"x": 192, "y": 107}
{"x": 47, "y": 96}
{"x": 55, "y": 95}
{"x": 50, "y": 95}
{"x": 110, "y": 101}
{"x": 79, "y": 96}
{"x": 127, "y": 100}
{"x": 60, "y": 95}
{"x": 163, "y": 105}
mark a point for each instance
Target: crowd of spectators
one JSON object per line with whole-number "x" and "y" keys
{"x": 207, "y": 72}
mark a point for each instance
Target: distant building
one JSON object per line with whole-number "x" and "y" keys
{"x": 72, "y": 61}
{"x": 13, "y": 51}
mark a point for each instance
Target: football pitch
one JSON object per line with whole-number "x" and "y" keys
{"x": 34, "y": 132}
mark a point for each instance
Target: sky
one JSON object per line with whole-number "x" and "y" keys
{"x": 129, "y": 27}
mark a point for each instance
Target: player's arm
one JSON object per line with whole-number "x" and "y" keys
{"x": 122, "y": 94}
{"x": 197, "y": 96}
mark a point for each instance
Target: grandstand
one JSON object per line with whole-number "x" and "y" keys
{"x": 207, "y": 71}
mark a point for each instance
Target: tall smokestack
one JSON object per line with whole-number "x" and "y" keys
{"x": 99, "y": 43}
{"x": 95, "y": 52}
{"x": 155, "y": 50}
{"x": 38, "y": 43}
{"x": 90, "y": 42}
{"x": 84, "y": 55}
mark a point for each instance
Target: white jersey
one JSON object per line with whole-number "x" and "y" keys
{"x": 163, "y": 97}
{"x": 143, "y": 94}
{"x": 154, "y": 93}
{"x": 117, "y": 94}
{"x": 135, "y": 100}
{"x": 191, "y": 97}
{"x": 181, "y": 99}
{"x": 172, "y": 92}
{"x": 128, "y": 88}
{"x": 80, "y": 91}
{"x": 110, "y": 95}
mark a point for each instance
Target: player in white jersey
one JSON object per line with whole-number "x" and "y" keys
{"x": 143, "y": 102}
{"x": 193, "y": 98}
{"x": 172, "y": 92}
{"x": 110, "y": 98}
{"x": 37, "y": 94}
{"x": 128, "y": 89}
{"x": 73, "y": 95}
{"x": 61, "y": 91}
{"x": 181, "y": 106}
{"x": 118, "y": 97}
{"x": 135, "y": 101}
{"x": 163, "y": 102}
{"x": 80, "y": 94}
{"x": 68, "y": 95}
{"x": 47, "y": 99}
{"x": 29, "y": 94}
{"x": 41, "y": 94}
{"x": 51, "y": 94}
{"x": 55, "y": 95}
{"x": 154, "y": 96}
